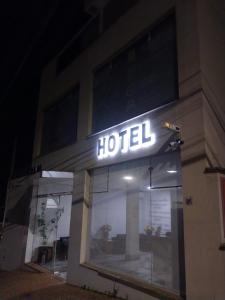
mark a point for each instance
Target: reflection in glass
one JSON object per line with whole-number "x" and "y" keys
{"x": 135, "y": 219}
{"x": 51, "y": 236}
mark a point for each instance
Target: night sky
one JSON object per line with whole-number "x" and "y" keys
{"x": 33, "y": 32}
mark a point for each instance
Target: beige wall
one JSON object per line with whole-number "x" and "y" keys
{"x": 211, "y": 20}
{"x": 205, "y": 272}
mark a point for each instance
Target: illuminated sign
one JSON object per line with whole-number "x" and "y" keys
{"x": 128, "y": 139}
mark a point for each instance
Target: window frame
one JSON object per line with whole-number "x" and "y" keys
{"x": 171, "y": 13}
{"x": 60, "y": 99}
{"x": 120, "y": 277}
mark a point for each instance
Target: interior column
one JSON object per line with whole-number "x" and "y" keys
{"x": 132, "y": 224}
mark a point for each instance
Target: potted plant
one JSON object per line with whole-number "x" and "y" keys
{"x": 46, "y": 228}
{"x": 149, "y": 230}
{"x": 105, "y": 229}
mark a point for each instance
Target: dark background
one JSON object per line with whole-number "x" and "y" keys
{"x": 32, "y": 32}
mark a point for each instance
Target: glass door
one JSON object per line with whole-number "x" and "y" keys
{"x": 51, "y": 238}
{"x": 47, "y": 215}
{"x": 61, "y": 245}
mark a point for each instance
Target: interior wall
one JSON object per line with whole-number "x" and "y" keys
{"x": 149, "y": 209}
{"x": 101, "y": 213}
{"x": 63, "y": 229}
{"x": 54, "y": 185}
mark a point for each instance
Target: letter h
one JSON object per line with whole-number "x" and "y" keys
{"x": 101, "y": 147}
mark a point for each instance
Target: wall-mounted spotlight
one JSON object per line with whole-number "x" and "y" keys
{"x": 175, "y": 129}
{"x": 171, "y": 126}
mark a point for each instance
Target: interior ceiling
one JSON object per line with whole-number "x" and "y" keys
{"x": 48, "y": 186}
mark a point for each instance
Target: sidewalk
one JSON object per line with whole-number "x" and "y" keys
{"x": 26, "y": 285}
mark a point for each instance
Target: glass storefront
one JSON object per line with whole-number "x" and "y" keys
{"x": 52, "y": 223}
{"x": 136, "y": 219}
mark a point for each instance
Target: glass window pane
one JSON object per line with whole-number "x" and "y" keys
{"x": 60, "y": 123}
{"x": 100, "y": 180}
{"x": 142, "y": 77}
{"x": 166, "y": 170}
{"x": 135, "y": 228}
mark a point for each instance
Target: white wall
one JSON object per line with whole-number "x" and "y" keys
{"x": 64, "y": 221}
{"x": 111, "y": 210}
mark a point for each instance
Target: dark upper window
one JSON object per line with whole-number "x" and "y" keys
{"x": 60, "y": 123}
{"x": 111, "y": 12}
{"x": 79, "y": 44}
{"x": 141, "y": 78}
{"x": 115, "y": 9}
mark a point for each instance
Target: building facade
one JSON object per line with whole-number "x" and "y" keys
{"x": 135, "y": 121}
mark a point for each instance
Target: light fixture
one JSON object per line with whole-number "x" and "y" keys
{"x": 171, "y": 171}
{"x": 130, "y": 138}
{"x": 171, "y": 126}
{"x": 128, "y": 178}
{"x": 51, "y": 203}
{"x": 148, "y": 187}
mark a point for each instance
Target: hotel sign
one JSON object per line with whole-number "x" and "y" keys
{"x": 131, "y": 138}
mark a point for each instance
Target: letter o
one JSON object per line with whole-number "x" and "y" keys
{"x": 111, "y": 143}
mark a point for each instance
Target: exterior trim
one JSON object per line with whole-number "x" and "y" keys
{"x": 149, "y": 289}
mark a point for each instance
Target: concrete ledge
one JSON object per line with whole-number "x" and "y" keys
{"x": 149, "y": 289}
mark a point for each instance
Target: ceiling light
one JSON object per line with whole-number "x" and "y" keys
{"x": 171, "y": 171}
{"x": 128, "y": 178}
{"x": 51, "y": 203}
{"x": 148, "y": 188}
